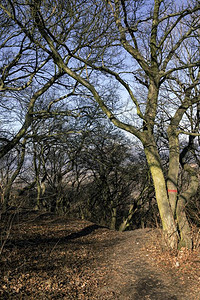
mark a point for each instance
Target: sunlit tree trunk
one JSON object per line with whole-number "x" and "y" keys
{"x": 172, "y": 180}
{"x": 183, "y": 224}
{"x": 113, "y": 218}
{"x": 166, "y": 214}
{"x": 126, "y": 221}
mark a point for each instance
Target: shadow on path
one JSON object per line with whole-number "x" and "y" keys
{"x": 83, "y": 232}
{"x": 152, "y": 288}
{"x": 38, "y": 240}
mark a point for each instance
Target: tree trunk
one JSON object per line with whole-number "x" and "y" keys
{"x": 126, "y": 221}
{"x": 6, "y": 192}
{"x": 37, "y": 177}
{"x": 37, "y": 206}
{"x": 172, "y": 181}
{"x": 183, "y": 224}
{"x": 166, "y": 215}
{"x": 113, "y": 218}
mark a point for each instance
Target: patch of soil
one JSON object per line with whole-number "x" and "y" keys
{"x": 51, "y": 257}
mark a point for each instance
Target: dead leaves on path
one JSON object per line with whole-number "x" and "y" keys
{"x": 49, "y": 257}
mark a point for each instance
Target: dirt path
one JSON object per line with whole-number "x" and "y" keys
{"x": 134, "y": 275}
{"x": 47, "y": 257}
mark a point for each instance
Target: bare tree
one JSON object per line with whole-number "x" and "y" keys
{"x": 27, "y": 76}
{"x": 109, "y": 171}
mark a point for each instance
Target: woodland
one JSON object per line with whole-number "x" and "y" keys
{"x": 99, "y": 148}
{"x": 99, "y": 122}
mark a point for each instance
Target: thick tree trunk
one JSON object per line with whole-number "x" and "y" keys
{"x": 183, "y": 224}
{"x": 172, "y": 181}
{"x": 166, "y": 215}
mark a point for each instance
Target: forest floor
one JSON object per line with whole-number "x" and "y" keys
{"x": 51, "y": 257}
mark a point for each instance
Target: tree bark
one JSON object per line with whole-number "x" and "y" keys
{"x": 166, "y": 215}
{"x": 183, "y": 224}
{"x": 172, "y": 180}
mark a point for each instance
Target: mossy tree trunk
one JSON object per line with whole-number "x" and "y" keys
{"x": 183, "y": 199}
{"x": 176, "y": 159}
{"x": 154, "y": 162}
{"x": 166, "y": 214}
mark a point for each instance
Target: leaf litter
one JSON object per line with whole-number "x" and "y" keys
{"x": 51, "y": 257}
